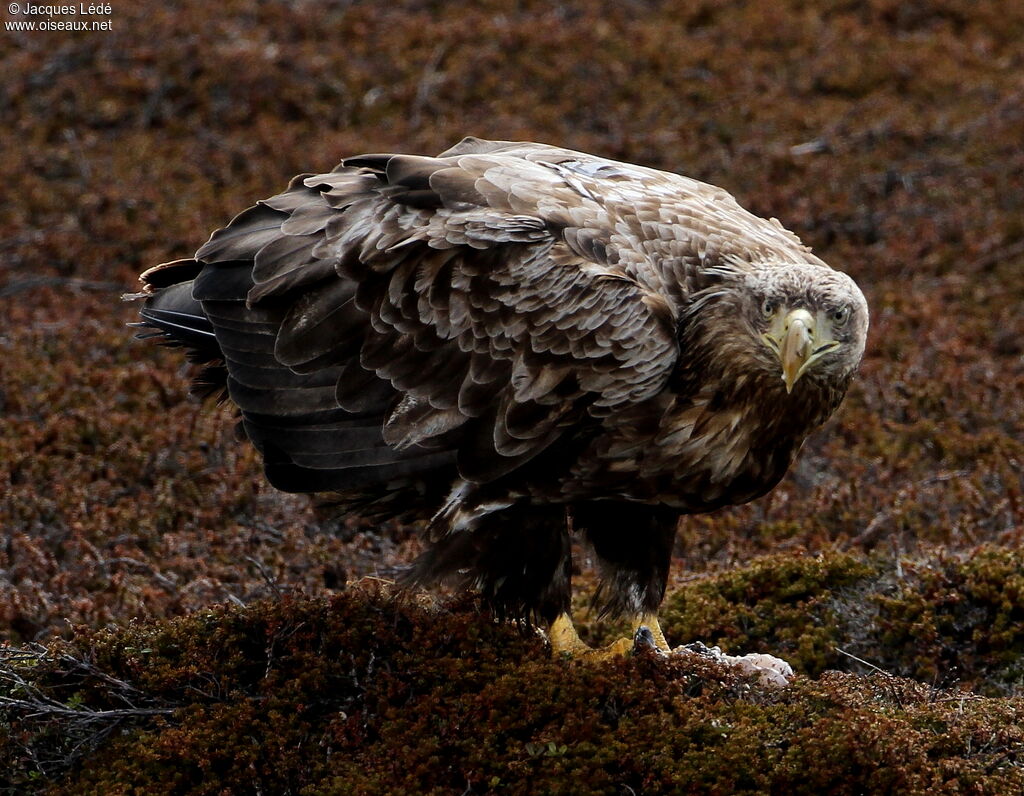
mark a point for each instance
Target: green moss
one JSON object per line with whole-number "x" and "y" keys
{"x": 785, "y": 605}
{"x": 942, "y": 619}
{"x": 962, "y": 616}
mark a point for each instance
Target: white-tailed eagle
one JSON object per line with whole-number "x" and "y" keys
{"x": 510, "y": 340}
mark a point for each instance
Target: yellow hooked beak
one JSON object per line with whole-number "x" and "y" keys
{"x": 799, "y": 342}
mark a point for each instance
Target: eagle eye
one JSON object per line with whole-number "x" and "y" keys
{"x": 768, "y": 308}
{"x": 840, "y": 315}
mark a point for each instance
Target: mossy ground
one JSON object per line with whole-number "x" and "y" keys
{"x": 367, "y": 694}
{"x": 886, "y": 133}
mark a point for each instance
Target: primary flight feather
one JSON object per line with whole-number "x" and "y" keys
{"x": 508, "y": 334}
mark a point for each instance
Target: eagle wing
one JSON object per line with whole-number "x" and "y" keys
{"x": 402, "y": 313}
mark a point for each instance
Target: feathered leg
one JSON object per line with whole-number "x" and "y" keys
{"x": 634, "y": 544}
{"x": 517, "y": 557}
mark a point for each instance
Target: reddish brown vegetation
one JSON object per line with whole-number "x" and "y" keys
{"x": 887, "y": 134}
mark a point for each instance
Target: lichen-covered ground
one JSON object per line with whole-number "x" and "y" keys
{"x": 176, "y": 626}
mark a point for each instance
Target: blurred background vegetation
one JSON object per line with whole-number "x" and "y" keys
{"x": 887, "y": 134}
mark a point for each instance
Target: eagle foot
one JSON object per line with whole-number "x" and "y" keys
{"x": 566, "y": 642}
{"x": 771, "y": 672}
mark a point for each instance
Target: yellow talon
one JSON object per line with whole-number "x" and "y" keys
{"x": 564, "y": 638}
{"x": 566, "y": 641}
{"x": 650, "y": 621}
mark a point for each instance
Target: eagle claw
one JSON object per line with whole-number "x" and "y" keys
{"x": 643, "y": 639}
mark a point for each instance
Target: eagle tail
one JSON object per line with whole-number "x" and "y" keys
{"x": 309, "y": 441}
{"x": 174, "y": 318}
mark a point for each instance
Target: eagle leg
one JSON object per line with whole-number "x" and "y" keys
{"x": 633, "y": 544}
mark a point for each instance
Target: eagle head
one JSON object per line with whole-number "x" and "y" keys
{"x": 806, "y": 320}
{"x": 790, "y": 327}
